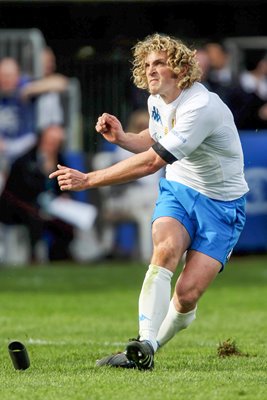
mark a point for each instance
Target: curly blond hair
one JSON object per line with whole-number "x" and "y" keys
{"x": 181, "y": 60}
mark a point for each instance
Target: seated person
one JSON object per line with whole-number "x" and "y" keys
{"x": 23, "y": 195}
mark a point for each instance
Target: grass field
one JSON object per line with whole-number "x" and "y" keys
{"x": 69, "y": 315}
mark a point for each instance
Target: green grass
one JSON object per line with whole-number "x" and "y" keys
{"x": 68, "y": 316}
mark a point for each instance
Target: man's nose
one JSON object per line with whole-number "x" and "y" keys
{"x": 150, "y": 70}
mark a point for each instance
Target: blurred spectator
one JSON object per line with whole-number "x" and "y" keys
{"x": 131, "y": 201}
{"x": 220, "y": 72}
{"x": 248, "y": 99}
{"x": 31, "y": 137}
{"x": 18, "y": 96}
{"x": 23, "y": 196}
{"x": 204, "y": 62}
{"x": 51, "y": 80}
{"x": 49, "y": 104}
{"x": 17, "y": 118}
{"x": 49, "y": 61}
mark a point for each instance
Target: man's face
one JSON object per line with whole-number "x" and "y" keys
{"x": 9, "y": 76}
{"x": 49, "y": 62}
{"x": 161, "y": 79}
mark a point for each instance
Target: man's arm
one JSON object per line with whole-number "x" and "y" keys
{"x": 54, "y": 83}
{"x": 111, "y": 129}
{"x": 137, "y": 142}
{"x": 135, "y": 167}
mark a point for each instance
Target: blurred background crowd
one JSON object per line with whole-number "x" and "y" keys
{"x": 49, "y": 103}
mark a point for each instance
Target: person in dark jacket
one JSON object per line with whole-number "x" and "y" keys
{"x": 21, "y": 200}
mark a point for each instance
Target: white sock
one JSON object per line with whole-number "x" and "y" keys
{"x": 173, "y": 323}
{"x": 154, "y": 301}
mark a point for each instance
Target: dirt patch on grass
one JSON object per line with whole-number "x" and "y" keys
{"x": 229, "y": 348}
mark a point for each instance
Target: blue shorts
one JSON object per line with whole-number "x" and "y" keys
{"x": 214, "y": 226}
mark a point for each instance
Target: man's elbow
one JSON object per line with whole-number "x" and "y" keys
{"x": 154, "y": 164}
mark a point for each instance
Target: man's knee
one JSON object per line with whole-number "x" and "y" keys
{"x": 165, "y": 250}
{"x": 170, "y": 241}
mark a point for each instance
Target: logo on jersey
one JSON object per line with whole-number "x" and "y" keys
{"x": 155, "y": 115}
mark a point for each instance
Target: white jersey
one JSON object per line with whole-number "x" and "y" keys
{"x": 197, "y": 133}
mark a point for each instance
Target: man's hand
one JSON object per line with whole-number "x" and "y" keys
{"x": 70, "y": 179}
{"x": 110, "y": 128}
